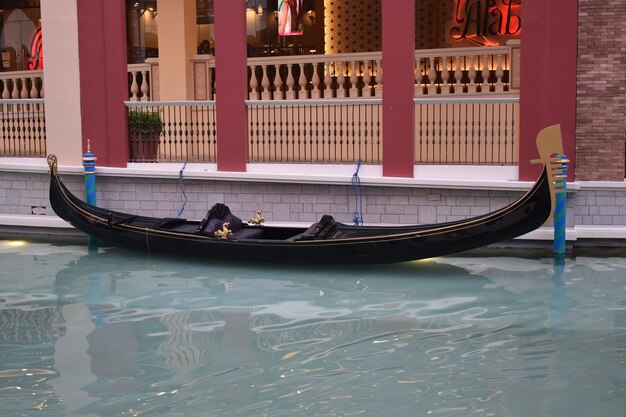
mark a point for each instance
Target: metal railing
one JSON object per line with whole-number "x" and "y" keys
{"x": 448, "y": 131}
{"x": 315, "y": 131}
{"x": 172, "y": 131}
{"x": 463, "y": 131}
{"x": 22, "y": 128}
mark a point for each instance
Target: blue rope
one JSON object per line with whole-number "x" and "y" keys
{"x": 358, "y": 189}
{"x": 182, "y": 187}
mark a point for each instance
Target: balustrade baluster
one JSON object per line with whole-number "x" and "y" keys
{"x": 302, "y": 93}
{"x": 472, "y": 75}
{"x": 328, "y": 81}
{"x": 354, "y": 90}
{"x": 278, "y": 94}
{"x": 16, "y": 88}
{"x": 265, "y": 84}
{"x": 341, "y": 80}
{"x": 254, "y": 83}
{"x": 33, "y": 88}
{"x": 24, "y": 91}
{"x": 290, "y": 93}
{"x": 5, "y": 90}
{"x": 315, "y": 82}
{"x": 145, "y": 88}
{"x": 458, "y": 76}
{"x": 432, "y": 76}
{"x": 485, "y": 88}
{"x": 499, "y": 75}
{"x": 419, "y": 88}
{"x": 379, "y": 78}
{"x": 445, "y": 75}
{"x": 134, "y": 87}
{"x": 367, "y": 79}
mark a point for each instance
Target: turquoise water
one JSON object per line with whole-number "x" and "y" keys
{"x": 116, "y": 333}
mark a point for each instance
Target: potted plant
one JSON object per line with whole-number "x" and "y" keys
{"x": 145, "y": 129}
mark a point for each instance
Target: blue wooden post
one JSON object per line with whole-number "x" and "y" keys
{"x": 89, "y": 164}
{"x": 560, "y": 212}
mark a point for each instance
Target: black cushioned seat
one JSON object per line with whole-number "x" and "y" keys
{"x": 248, "y": 233}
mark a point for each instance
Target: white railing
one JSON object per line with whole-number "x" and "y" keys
{"x": 21, "y": 84}
{"x": 452, "y": 71}
{"x": 139, "y": 82}
{"x": 459, "y": 71}
{"x": 22, "y": 128}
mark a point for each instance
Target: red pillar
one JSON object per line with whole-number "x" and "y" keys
{"x": 548, "y": 77}
{"x": 398, "y": 27}
{"x": 231, "y": 78}
{"x": 103, "y": 79}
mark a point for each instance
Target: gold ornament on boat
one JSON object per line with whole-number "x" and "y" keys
{"x": 52, "y": 164}
{"x": 258, "y": 219}
{"x": 225, "y": 233}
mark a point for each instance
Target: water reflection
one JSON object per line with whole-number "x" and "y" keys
{"x": 137, "y": 335}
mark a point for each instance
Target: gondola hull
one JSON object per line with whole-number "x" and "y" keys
{"x": 338, "y": 243}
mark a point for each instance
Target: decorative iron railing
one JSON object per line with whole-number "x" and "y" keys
{"x": 22, "y": 128}
{"x": 464, "y": 131}
{"x": 315, "y": 131}
{"x": 172, "y": 131}
{"x": 448, "y": 131}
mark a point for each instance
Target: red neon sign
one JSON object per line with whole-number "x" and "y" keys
{"x": 479, "y": 21}
{"x": 35, "y": 60}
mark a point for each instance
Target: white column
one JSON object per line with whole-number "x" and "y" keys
{"x": 59, "y": 20}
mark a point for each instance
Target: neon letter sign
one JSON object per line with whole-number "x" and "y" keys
{"x": 478, "y": 20}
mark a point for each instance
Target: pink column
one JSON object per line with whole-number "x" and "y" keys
{"x": 548, "y": 77}
{"x": 231, "y": 78}
{"x": 103, "y": 79}
{"x": 398, "y": 19}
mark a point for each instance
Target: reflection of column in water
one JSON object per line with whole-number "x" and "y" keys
{"x": 71, "y": 359}
{"x": 558, "y": 303}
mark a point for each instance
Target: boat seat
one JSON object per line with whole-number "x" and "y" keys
{"x": 320, "y": 229}
{"x": 170, "y": 223}
{"x": 208, "y": 228}
{"x": 248, "y": 233}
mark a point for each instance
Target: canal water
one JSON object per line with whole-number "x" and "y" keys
{"x": 117, "y": 333}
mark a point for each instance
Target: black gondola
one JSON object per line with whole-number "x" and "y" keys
{"x": 326, "y": 241}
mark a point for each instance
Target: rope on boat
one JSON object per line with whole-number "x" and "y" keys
{"x": 182, "y": 187}
{"x": 358, "y": 189}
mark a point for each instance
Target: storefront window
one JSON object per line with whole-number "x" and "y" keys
{"x": 20, "y": 37}
{"x": 142, "y": 30}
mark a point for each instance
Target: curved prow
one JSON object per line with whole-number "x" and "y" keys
{"x": 550, "y": 147}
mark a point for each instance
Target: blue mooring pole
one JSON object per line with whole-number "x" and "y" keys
{"x": 89, "y": 164}
{"x": 560, "y": 212}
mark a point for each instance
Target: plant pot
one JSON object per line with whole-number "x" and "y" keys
{"x": 144, "y": 147}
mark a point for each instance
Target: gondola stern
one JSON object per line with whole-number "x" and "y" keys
{"x": 550, "y": 148}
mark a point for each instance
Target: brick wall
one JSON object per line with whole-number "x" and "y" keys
{"x": 19, "y": 192}
{"x": 601, "y": 102}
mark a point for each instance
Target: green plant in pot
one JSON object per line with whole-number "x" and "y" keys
{"x": 145, "y": 129}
